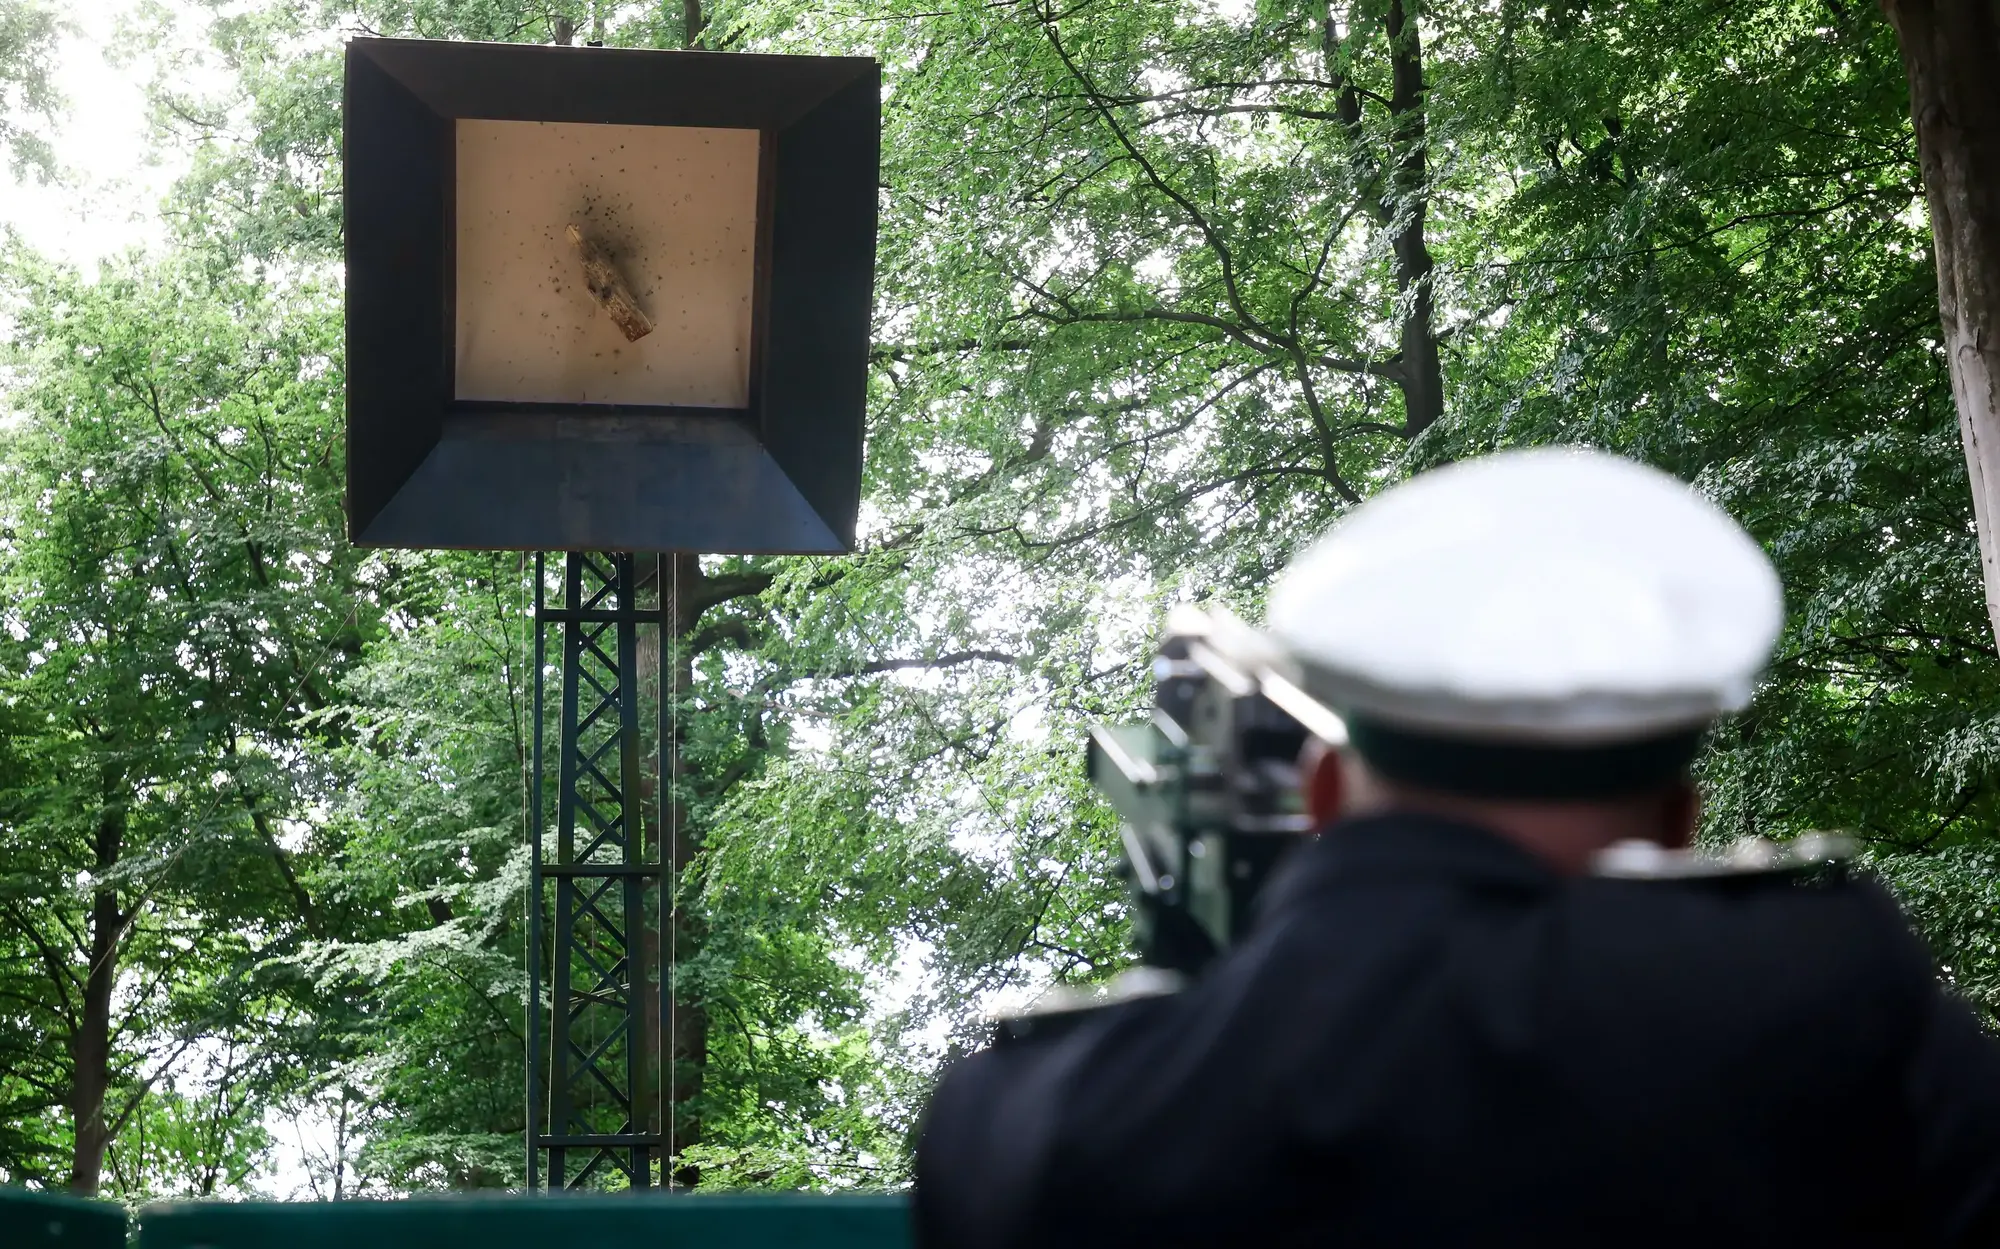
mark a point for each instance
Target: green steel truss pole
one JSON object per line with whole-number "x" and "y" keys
{"x": 587, "y": 1055}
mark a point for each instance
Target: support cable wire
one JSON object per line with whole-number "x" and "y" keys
{"x": 534, "y": 816}
{"x": 528, "y": 894}
{"x": 671, "y": 880}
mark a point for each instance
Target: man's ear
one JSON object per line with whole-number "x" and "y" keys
{"x": 1681, "y": 814}
{"x": 1321, "y": 782}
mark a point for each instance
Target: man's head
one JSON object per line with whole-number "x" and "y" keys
{"x": 1565, "y": 832}
{"x": 1533, "y": 640}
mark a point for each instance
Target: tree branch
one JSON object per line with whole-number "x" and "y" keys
{"x": 1200, "y": 220}
{"x": 910, "y": 351}
{"x": 715, "y": 591}
{"x": 735, "y": 629}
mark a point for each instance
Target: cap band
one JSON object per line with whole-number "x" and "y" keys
{"x": 1526, "y": 770}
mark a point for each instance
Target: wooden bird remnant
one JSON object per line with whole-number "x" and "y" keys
{"x": 608, "y": 288}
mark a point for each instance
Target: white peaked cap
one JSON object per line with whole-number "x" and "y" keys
{"x": 1562, "y": 596}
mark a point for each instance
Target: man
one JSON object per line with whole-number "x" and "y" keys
{"x": 1490, "y": 1004}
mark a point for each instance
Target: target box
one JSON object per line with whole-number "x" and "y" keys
{"x": 606, "y": 299}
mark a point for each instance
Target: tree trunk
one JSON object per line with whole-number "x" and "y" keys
{"x": 672, "y": 937}
{"x": 340, "y": 1149}
{"x": 1951, "y": 49}
{"x": 1404, "y": 208}
{"x": 1422, "y": 381}
{"x": 654, "y": 572}
{"x": 90, "y": 1044}
{"x": 683, "y": 583}
{"x": 690, "y": 1060}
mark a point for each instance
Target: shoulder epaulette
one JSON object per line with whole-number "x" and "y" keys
{"x": 1814, "y": 854}
{"x": 1065, "y": 1006}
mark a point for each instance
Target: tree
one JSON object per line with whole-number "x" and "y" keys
{"x": 1949, "y": 49}
{"x": 28, "y": 33}
{"x": 176, "y": 602}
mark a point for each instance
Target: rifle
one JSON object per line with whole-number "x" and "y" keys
{"x": 1208, "y": 786}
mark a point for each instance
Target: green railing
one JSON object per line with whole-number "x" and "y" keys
{"x": 41, "y": 1221}
{"x": 47, "y": 1221}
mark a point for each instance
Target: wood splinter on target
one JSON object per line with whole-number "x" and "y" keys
{"x": 608, "y": 288}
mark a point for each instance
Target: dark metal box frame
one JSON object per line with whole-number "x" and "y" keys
{"x": 782, "y": 475}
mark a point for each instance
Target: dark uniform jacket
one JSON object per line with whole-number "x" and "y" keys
{"x": 1430, "y": 1039}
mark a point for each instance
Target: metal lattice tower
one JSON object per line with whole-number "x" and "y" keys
{"x": 595, "y": 1062}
